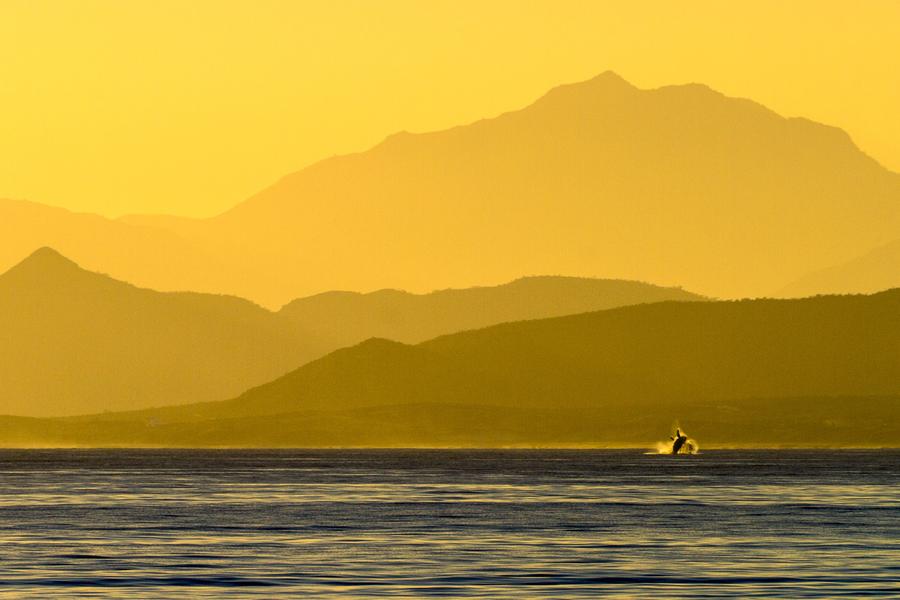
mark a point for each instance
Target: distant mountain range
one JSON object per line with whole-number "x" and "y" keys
{"x": 678, "y": 185}
{"x": 347, "y": 318}
{"x": 816, "y": 371}
{"x": 876, "y": 270}
{"x": 75, "y": 341}
{"x": 148, "y": 256}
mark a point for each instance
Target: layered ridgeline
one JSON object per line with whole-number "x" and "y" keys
{"x": 875, "y": 270}
{"x": 676, "y": 185}
{"x": 75, "y": 341}
{"x": 346, "y": 318}
{"x": 816, "y": 371}
{"x": 148, "y": 256}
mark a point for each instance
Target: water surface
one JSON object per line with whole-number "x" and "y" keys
{"x": 489, "y": 524}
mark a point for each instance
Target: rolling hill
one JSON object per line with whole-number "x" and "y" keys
{"x": 75, "y": 341}
{"x": 347, "y": 318}
{"x": 816, "y": 371}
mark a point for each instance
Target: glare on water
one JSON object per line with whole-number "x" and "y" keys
{"x": 457, "y": 523}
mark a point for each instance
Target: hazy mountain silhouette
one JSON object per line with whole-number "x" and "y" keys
{"x": 347, "y": 318}
{"x": 679, "y": 185}
{"x": 811, "y": 371}
{"x": 149, "y": 256}
{"x": 77, "y": 341}
{"x": 876, "y": 270}
{"x": 645, "y": 354}
{"x": 74, "y": 341}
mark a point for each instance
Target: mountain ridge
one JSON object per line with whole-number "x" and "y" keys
{"x": 875, "y": 270}
{"x": 76, "y": 340}
{"x": 350, "y": 317}
{"x": 628, "y": 162}
{"x": 679, "y": 185}
{"x": 771, "y": 372}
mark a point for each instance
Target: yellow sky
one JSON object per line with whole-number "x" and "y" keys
{"x": 188, "y": 107}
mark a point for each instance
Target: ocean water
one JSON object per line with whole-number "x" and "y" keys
{"x": 487, "y": 524}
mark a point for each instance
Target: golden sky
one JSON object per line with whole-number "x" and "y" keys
{"x": 188, "y": 107}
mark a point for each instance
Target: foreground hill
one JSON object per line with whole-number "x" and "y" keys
{"x": 784, "y": 422}
{"x": 679, "y": 185}
{"x": 74, "y": 341}
{"x": 347, "y": 318}
{"x": 816, "y": 371}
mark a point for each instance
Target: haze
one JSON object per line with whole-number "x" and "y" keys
{"x": 449, "y": 224}
{"x": 188, "y": 108}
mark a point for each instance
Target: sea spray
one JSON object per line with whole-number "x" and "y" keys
{"x": 678, "y": 443}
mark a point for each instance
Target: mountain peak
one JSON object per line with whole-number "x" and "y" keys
{"x": 46, "y": 258}
{"x": 47, "y": 253}
{"x": 605, "y": 81}
{"x": 47, "y": 267}
{"x": 609, "y": 77}
{"x": 607, "y": 84}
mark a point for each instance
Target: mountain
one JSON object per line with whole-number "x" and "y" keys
{"x": 75, "y": 341}
{"x": 149, "y": 256}
{"x": 347, "y": 318}
{"x": 876, "y": 270}
{"x": 815, "y": 371}
{"x": 678, "y": 185}
{"x": 645, "y": 355}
